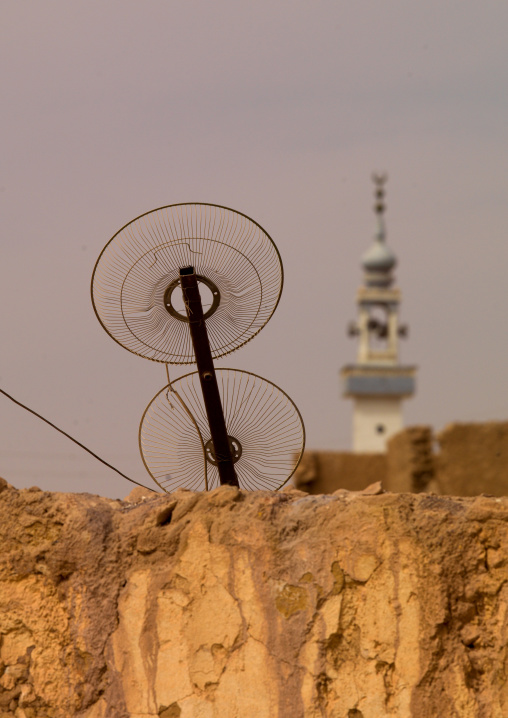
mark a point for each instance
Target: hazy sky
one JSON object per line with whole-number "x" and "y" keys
{"x": 280, "y": 110}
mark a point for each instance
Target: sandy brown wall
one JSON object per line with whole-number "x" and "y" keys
{"x": 323, "y": 472}
{"x": 411, "y": 460}
{"x": 462, "y": 460}
{"x": 473, "y": 459}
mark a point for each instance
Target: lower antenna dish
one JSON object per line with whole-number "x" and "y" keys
{"x": 265, "y": 431}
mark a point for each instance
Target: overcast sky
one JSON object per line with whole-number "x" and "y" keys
{"x": 280, "y": 110}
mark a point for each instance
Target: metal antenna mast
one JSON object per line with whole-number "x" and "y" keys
{"x": 207, "y": 378}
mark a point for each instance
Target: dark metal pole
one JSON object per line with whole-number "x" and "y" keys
{"x": 207, "y": 376}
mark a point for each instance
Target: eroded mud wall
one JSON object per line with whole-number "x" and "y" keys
{"x": 253, "y": 605}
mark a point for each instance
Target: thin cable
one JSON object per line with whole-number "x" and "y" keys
{"x": 73, "y": 439}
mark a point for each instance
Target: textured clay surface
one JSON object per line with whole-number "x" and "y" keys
{"x": 253, "y": 605}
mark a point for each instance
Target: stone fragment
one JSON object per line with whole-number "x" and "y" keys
{"x": 374, "y": 489}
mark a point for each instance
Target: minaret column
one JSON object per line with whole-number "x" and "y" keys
{"x": 393, "y": 331}
{"x": 363, "y": 334}
{"x": 377, "y": 383}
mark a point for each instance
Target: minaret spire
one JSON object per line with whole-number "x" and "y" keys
{"x": 379, "y": 208}
{"x": 377, "y": 382}
{"x": 379, "y": 261}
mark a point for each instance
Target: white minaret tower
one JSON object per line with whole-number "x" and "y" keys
{"x": 377, "y": 383}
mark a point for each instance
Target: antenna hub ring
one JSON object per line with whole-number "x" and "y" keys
{"x": 183, "y": 317}
{"x": 234, "y": 446}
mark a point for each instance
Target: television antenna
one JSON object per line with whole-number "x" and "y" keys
{"x": 189, "y": 283}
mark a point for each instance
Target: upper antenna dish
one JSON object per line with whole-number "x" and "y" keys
{"x": 238, "y": 268}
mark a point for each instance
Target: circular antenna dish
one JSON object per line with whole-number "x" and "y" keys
{"x": 136, "y": 290}
{"x": 265, "y": 431}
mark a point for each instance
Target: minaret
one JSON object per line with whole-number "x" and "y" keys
{"x": 377, "y": 383}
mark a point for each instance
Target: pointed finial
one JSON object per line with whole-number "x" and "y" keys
{"x": 380, "y": 181}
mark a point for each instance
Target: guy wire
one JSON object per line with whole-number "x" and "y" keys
{"x": 23, "y": 406}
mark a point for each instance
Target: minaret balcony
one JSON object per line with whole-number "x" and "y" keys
{"x": 376, "y": 295}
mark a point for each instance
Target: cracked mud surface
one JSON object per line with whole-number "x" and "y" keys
{"x": 265, "y": 605}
